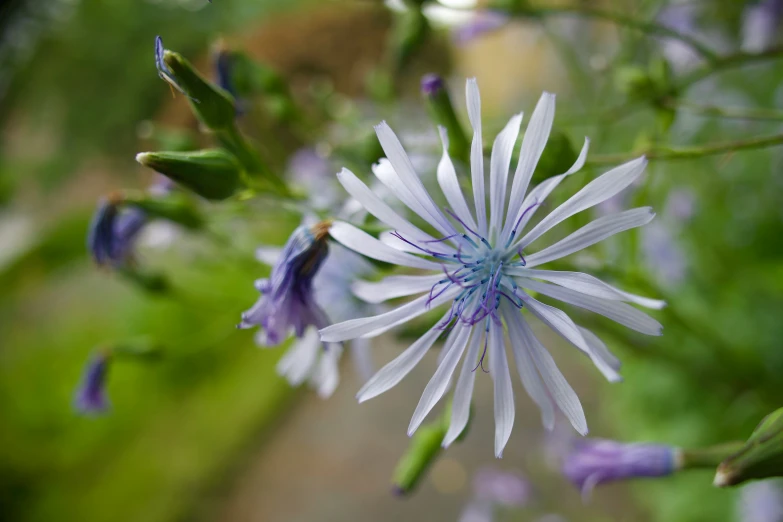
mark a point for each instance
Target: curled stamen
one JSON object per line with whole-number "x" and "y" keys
{"x": 514, "y": 230}
{"x": 414, "y": 245}
{"x": 466, "y": 227}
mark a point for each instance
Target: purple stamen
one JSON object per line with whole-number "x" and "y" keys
{"x": 514, "y": 230}
{"x": 466, "y": 227}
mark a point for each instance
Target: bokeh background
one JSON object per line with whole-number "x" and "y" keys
{"x": 205, "y": 429}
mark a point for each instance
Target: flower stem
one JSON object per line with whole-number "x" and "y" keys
{"x": 709, "y": 457}
{"x": 730, "y": 61}
{"x": 645, "y": 26}
{"x": 670, "y": 153}
{"x": 732, "y": 113}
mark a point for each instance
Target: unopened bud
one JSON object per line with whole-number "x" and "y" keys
{"x": 212, "y": 174}
{"x": 443, "y": 115}
{"x": 760, "y": 457}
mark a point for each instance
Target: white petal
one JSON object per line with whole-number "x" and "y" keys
{"x": 449, "y": 184}
{"x": 463, "y": 392}
{"x": 377, "y": 324}
{"x": 376, "y": 206}
{"x": 592, "y": 233}
{"x": 441, "y": 378}
{"x": 539, "y": 194}
{"x": 327, "y": 374}
{"x": 268, "y": 255}
{"x": 527, "y": 369}
{"x": 504, "y": 395}
{"x": 561, "y": 324}
{"x": 598, "y": 190}
{"x": 299, "y": 361}
{"x": 498, "y": 172}
{"x": 473, "y": 100}
{"x": 622, "y": 313}
{"x": 587, "y": 284}
{"x": 363, "y": 243}
{"x": 404, "y": 169}
{"x": 362, "y": 358}
{"x": 391, "y": 374}
{"x": 561, "y": 391}
{"x": 394, "y": 286}
{"x": 533, "y": 144}
{"x": 600, "y": 349}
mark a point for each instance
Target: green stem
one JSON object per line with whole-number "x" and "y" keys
{"x": 734, "y": 113}
{"x": 709, "y": 457}
{"x": 646, "y": 26}
{"x": 730, "y": 61}
{"x": 669, "y": 154}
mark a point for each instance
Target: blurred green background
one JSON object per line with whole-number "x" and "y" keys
{"x": 207, "y": 430}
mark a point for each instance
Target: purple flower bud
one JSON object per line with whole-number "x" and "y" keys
{"x": 113, "y": 232}
{"x": 431, "y": 84}
{"x": 91, "y": 395}
{"x": 501, "y": 487}
{"x": 163, "y": 70}
{"x": 288, "y": 301}
{"x": 481, "y": 23}
{"x": 595, "y": 461}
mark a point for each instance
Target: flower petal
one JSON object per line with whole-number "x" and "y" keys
{"x": 598, "y": 190}
{"x": 562, "y": 393}
{"x": 504, "y": 395}
{"x": 298, "y": 362}
{"x": 441, "y": 378}
{"x": 498, "y": 173}
{"x": 376, "y": 206}
{"x": 473, "y": 99}
{"x": 619, "y": 312}
{"x": 536, "y": 136}
{"x": 326, "y": 376}
{"x": 600, "y": 349}
{"x": 362, "y": 358}
{"x": 268, "y": 255}
{"x": 526, "y": 368}
{"x": 377, "y": 324}
{"x": 391, "y": 374}
{"x": 561, "y": 324}
{"x": 394, "y": 286}
{"x": 410, "y": 180}
{"x": 592, "y": 233}
{"x": 449, "y": 184}
{"x": 463, "y": 392}
{"x": 587, "y": 284}
{"x": 539, "y": 194}
{"x": 363, "y": 243}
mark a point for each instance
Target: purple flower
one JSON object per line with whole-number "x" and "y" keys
{"x": 288, "y": 301}
{"x": 113, "y": 232}
{"x": 91, "y": 395}
{"x": 499, "y": 487}
{"x": 760, "y": 24}
{"x": 481, "y": 23}
{"x": 595, "y": 461}
{"x": 761, "y": 501}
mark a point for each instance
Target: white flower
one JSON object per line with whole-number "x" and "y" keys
{"x": 482, "y": 268}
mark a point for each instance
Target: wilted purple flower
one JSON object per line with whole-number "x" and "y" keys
{"x": 760, "y": 24}
{"x": 481, "y": 23}
{"x": 500, "y": 487}
{"x": 595, "y": 461}
{"x": 91, "y": 395}
{"x": 113, "y": 232}
{"x": 761, "y": 501}
{"x": 288, "y": 302}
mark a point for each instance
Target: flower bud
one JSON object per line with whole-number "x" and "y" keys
{"x": 442, "y": 114}
{"x": 424, "y": 448}
{"x": 90, "y": 397}
{"x": 212, "y": 174}
{"x": 760, "y": 457}
{"x": 213, "y": 106}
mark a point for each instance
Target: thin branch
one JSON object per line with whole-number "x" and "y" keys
{"x": 730, "y": 61}
{"x": 732, "y": 113}
{"x": 668, "y": 154}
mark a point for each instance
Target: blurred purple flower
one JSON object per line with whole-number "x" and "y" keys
{"x": 500, "y": 487}
{"x": 113, "y": 232}
{"x": 431, "y": 84}
{"x": 760, "y": 25}
{"x": 596, "y": 461}
{"x": 761, "y": 502}
{"x": 315, "y": 174}
{"x": 482, "y": 22}
{"x": 478, "y": 511}
{"x": 91, "y": 395}
{"x": 288, "y": 301}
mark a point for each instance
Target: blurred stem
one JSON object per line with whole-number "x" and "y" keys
{"x": 730, "y": 61}
{"x": 670, "y": 153}
{"x": 709, "y": 457}
{"x": 735, "y": 113}
{"x": 249, "y": 157}
{"x": 645, "y": 26}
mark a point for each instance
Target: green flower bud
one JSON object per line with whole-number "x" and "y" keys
{"x": 213, "y": 174}
{"x": 424, "y": 448}
{"x": 173, "y": 207}
{"x": 442, "y": 114}
{"x": 211, "y": 104}
{"x": 760, "y": 457}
